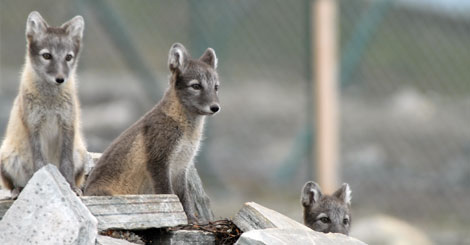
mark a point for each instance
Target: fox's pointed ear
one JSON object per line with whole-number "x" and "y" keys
{"x": 177, "y": 58}
{"x": 344, "y": 194}
{"x": 35, "y": 25}
{"x": 74, "y": 27}
{"x": 209, "y": 58}
{"x": 311, "y": 194}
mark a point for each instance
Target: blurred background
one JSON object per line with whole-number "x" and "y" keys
{"x": 403, "y": 96}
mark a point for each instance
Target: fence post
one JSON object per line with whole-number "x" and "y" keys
{"x": 325, "y": 42}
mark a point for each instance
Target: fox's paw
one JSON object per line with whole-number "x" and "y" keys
{"x": 15, "y": 193}
{"x": 77, "y": 191}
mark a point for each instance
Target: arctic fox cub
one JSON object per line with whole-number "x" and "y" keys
{"x": 154, "y": 154}
{"x": 327, "y": 213}
{"x": 44, "y": 124}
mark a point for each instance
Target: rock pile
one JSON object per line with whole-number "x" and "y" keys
{"x": 48, "y": 212}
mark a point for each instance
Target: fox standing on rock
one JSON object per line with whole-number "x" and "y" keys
{"x": 44, "y": 124}
{"x": 153, "y": 155}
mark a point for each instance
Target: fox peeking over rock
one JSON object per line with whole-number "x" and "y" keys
{"x": 327, "y": 213}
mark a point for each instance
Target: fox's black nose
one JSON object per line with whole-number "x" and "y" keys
{"x": 59, "y": 80}
{"x": 215, "y": 108}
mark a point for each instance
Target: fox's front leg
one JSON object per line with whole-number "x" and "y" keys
{"x": 160, "y": 174}
{"x": 35, "y": 143}
{"x": 181, "y": 187}
{"x": 67, "y": 167}
{"x": 33, "y": 119}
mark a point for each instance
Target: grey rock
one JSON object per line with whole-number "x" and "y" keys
{"x": 47, "y": 211}
{"x": 132, "y": 212}
{"x": 106, "y": 240}
{"x": 275, "y": 236}
{"x": 185, "y": 237}
{"x": 5, "y": 202}
{"x": 254, "y": 216}
{"x": 4, "y": 206}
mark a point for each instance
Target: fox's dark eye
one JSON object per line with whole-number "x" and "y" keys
{"x": 47, "y": 56}
{"x": 196, "y": 86}
{"x": 345, "y": 221}
{"x": 325, "y": 220}
{"x": 216, "y": 87}
{"x": 68, "y": 57}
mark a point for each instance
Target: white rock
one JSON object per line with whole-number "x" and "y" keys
{"x": 275, "y": 236}
{"x": 48, "y": 212}
{"x": 254, "y": 216}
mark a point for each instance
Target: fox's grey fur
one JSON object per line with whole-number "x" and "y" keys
{"x": 44, "y": 122}
{"x": 154, "y": 154}
{"x": 327, "y": 213}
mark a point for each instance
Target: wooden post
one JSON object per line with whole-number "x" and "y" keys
{"x": 325, "y": 44}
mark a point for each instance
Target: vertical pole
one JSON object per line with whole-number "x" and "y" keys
{"x": 324, "y": 18}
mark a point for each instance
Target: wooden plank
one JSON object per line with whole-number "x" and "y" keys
{"x": 132, "y": 212}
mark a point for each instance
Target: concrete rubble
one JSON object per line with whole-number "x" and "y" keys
{"x": 48, "y": 212}
{"x": 253, "y": 216}
{"x": 276, "y": 236}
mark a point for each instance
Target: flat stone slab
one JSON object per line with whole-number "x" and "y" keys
{"x": 253, "y": 216}
{"x": 185, "y": 237}
{"x": 106, "y": 240}
{"x": 131, "y": 212}
{"x": 47, "y": 211}
{"x": 276, "y": 236}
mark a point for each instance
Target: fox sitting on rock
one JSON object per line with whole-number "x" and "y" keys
{"x": 327, "y": 213}
{"x": 153, "y": 155}
{"x": 44, "y": 124}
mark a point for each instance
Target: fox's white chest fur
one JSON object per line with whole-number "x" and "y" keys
{"x": 185, "y": 150}
{"x": 183, "y": 154}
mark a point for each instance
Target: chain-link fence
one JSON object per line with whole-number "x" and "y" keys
{"x": 405, "y": 96}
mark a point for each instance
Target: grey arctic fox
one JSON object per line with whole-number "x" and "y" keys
{"x": 327, "y": 213}
{"x": 44, "y": 124}
{"x": 154, "y": 154}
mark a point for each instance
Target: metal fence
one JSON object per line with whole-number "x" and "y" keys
{"x": 405, "y": 96}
